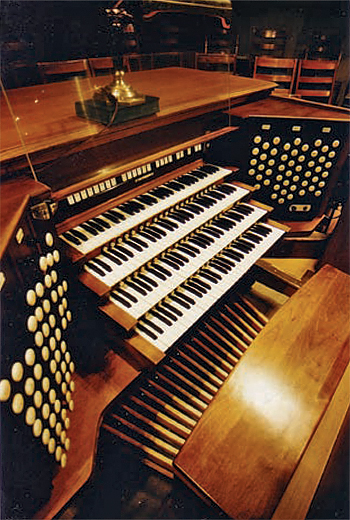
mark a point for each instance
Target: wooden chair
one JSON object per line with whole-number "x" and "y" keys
{"x": 99, "y": 66}
{"x": 167, "y": 59}
{"x": 315, "y": 79}
{"x": 61, "y": 70}
{"x": 216, "y": 62}
{"x": 279, "y": 70}
{"x": 134, "y": 62}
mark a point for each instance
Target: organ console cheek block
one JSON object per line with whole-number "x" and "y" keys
{"x": 262, "y": 440}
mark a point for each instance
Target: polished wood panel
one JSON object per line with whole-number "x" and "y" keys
{"x": 253, "y": 435}
{"x": 48, "y": 122}
{"x": 92, "y": 394}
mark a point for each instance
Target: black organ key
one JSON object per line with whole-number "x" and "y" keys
{"x": 124, "y": 250}
{"x": 207, "y": 272}
{"x": 79, "y": 235}
{"x": 111, "y": 257}
{"x": 117, "y": 214}
{"x": 170, "y": 263}
{"x": 102, "y": 222}
{"x": 172, "y": 308}
{"x": 71, "y": 238}
{"x": 127, "y": 295}
{"x": 95, "y": 225}
{"x": 156, "y": 273}
{"x": 148, "y": 280}
{"x": 138, "y": 240}
{"x": 153, "y": 325}
{"x": 120, "y": 299}
{"x": 117, "y": 253}
{"x": 185, "y": 250}
{"x": 147, "y": 236}
{"x": 253, "y": 237}
{"x": 95, "y": 268}
{"x": 89, "y": 229}
{"x": 166, "y": 224}
{"x": 161, "y": 317}
{"x": 136, "y": 287}
{"x": 166, "y": 313}
{"x": 209, "y": 168}
{"x": 213, "y": 232}
{"x": 192, "y": 289}
{"x": 146, "y": 331}
{"x": 217, "y": 266}
{"x": 103, "y": 264}
{"x": 112, "y": 218}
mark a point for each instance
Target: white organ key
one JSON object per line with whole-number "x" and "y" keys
{"x": 148, "y": 212}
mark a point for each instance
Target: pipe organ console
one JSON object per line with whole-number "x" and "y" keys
{"x": 150, "y": 260}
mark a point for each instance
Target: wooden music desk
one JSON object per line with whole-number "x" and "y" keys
{"x": 266, "y": 437}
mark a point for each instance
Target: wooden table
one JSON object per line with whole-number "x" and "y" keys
{"x": 261, "y": 425}
{"x": 45, "y": 114}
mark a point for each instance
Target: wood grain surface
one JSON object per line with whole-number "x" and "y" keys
{"x": 249, "y": 441}
{"x": 45, "y": 114}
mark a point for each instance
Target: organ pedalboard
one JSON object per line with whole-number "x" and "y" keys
{"x": 293, "y": 163}
{"x": 159, "y": 261}
{"x": 36, "y": 386}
